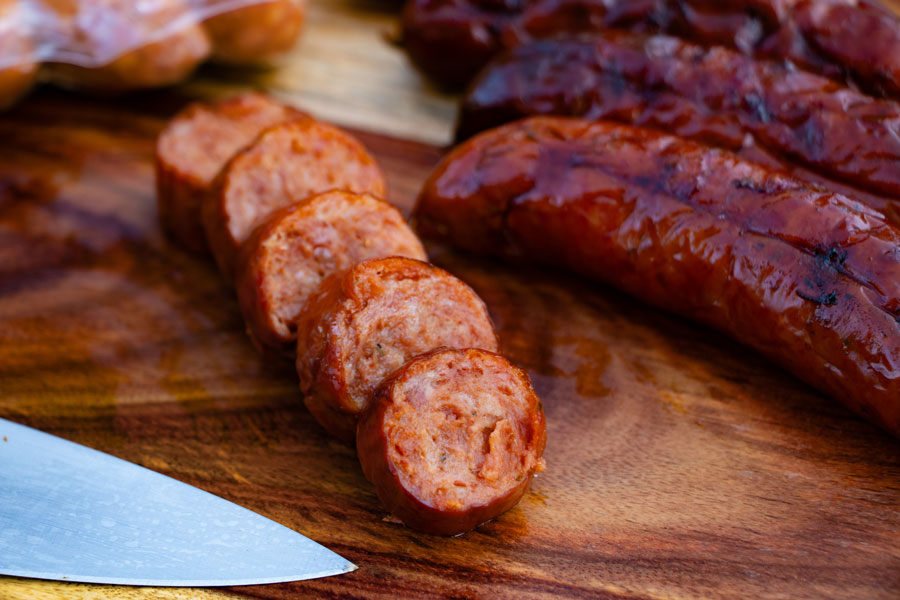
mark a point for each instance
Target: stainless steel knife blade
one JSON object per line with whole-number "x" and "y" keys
{"x": 71, "y": 513}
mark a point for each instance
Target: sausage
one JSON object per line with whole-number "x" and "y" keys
{"x": 110, "y": 25}
{"x": 257, "y": 32}
{"x": 192, "y": 149}
{"x": 808, "y": 277}
{"x": 18, "y": 67}
{"x": 451, "y": 440}
{"x": 714, "y": 95}
{"x": 450, "y": 40}
{"x": 285, "y": 164}
{"x": 369, "y": 320}
{"x": 286, "y": 258}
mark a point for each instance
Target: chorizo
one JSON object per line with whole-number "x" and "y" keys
{"x": 452, "y": 439}
{"x": 286, "y": 258}
{"x": 808, "y": 277}
{"x": 713, "y": 95}
{"x": 450, "y": 40}
{"x": 369, "y": 320}
{"x": 257, "y": 32}
{"x": 285, "y": 164}
{"x": 192, "y": 149}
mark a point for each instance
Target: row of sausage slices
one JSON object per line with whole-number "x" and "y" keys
{"x": 390, "y": 350}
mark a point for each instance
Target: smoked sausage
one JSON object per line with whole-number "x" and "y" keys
{"x": 452, "y": 39}
{"x": 808, "y": 277}
{"x": 713, "y": 95}
{"x": 452, "y": 439}
{"x": 367, "y": 321}
{"x": 286, "y": 258}
{"x": 192, "y": 149}
{"x": 257, "y": 32}
{"x": 285, "y": 164}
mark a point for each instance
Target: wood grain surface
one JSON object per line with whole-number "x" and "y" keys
{"x": 680, "y": 465}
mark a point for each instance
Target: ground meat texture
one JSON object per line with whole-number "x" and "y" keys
{"x": 149, "y": 61}
{"x": 808, "y": 277}
{"x": 364, "y": 323}
{"x": 286, "y": 258}
{"x": 256, "y": 32}
{"x": 193, "y": 148}
{"x": 713, "y": 95}
{"x": 285, "y": 164}
{"x": 452, "y": 39}
{"x": 452, "y": 439}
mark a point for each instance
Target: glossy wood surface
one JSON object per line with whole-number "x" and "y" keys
{"x": 680, "y": 465}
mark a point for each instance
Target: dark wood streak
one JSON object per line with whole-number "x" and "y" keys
{"x": 679, "y": 464}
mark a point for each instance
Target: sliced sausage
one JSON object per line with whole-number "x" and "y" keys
{"x": 364, "y": 323}
{"x": 711, "y": 94}
{"x": 257, "y": 32}
{"x": 452, "y": 439}
{"x": 808, "y": 277}
{"x": 192, "y": 149}
{"x": 285, "y": 164}
{"x": 285, "y": 259}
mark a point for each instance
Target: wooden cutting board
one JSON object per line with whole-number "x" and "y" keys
{"x": 680, "y": 464}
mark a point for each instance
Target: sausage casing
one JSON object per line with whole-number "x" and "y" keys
{"x": 809, "y": 278}
{"x": 452, "y": 439}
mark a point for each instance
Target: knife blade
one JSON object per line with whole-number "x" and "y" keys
{"x": 71, "y": 513}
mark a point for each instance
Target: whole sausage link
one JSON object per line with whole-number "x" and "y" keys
{"x": 809, "y": 278}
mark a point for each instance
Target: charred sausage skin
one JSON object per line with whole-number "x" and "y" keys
{"x": 452, "y": 39}
{"x": 808, "y": 277}
{"x": 369, "y": 320}
{"x": 452, "y": 439}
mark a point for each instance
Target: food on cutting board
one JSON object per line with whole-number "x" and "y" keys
{"x": 286, "y": 258}
{"x": 297, "y": 216}
{"x": 452, "y": 439}
{"x": 193, "y": 148}
{"x": 257, "y": 32}
{"x": 368, "y": 321}
{"x": 16, "y": 76}
{"x": 285, "y": 164}
{"x": 114, "y": 24}
{"x": 451, "y": 40}
{"x": 808, "y": 277}
{"x": 713, "y": 95}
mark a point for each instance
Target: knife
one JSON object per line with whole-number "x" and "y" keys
{"x": 71, "y": 513}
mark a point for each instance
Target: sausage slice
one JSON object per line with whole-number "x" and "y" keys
{"x": 194, "y": 147}
{"x": 364, "y": 323}
{"x": 285, "y": 164}
{"x": 285, "y": 259}
{"x": 452, "y": 439}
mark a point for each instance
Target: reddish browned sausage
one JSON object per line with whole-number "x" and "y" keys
{"x": 810, "y": 278}
{"x": 452, "y": 440}
{"x": 192, "y": 149}
{"x": 452, "y": 39}
{"x": 256, "y": 32}
{"x": 366, "y": 322}
{"x": 288, "y": 256}
{"x": 713, "y": 95}
{"x": 285, "y": 164}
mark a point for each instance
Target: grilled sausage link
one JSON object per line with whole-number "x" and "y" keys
{"x": 807, "y": 277}
{"x": 713, "y": 95}
{"x": 452, "y": 39}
